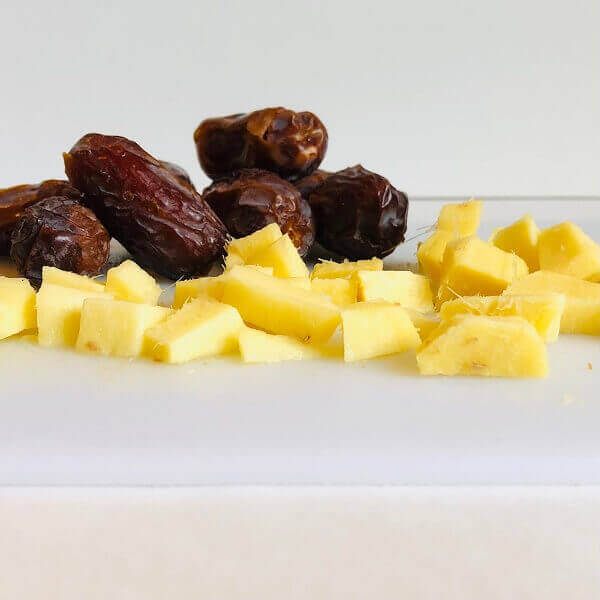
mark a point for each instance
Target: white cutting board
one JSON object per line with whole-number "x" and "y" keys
{"x": 84, "y": 420}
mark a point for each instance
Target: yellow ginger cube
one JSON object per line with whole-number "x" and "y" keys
{"x": 300, "y": 282}
{"x": 328, "y": 269}
{"x": 473, "y": 267}
{"x": 200, "y": 328}
{"x": 59, "y": 313}
{"x": 272, "y": 304}
{"x": 460, "y": 219}
{"x": 283, "y": 257}
{"x": 543, "y": 311}
{"x": 430, "y": 254}
{"x": 341, "y": 291}
{"x": 233, "y": 260}
{"x": 582, "y": 299}
{"x": 425, "y": 323}
{"x": 484, "y": 346}
{"x": 372, "y": 329}
{"x": 260, "y": 347}
{"x": 402, "y": 287}
{"x": 116, "y": 327}
{"x": 131, "y": 283}
{"x": 521, "y": 238}
{"x": 565, "y": 249}
{"x": 255, "y": 242}
{"x": 17, "y": 306}
{"x": 70, "y": 280}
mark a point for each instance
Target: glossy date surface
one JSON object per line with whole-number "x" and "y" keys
{"x": 254, "y": 198}
{"x": 359, "y": 214}
{"x": 14, "y": 200}
{"x": 291, "y": 144}
{"x": 162, "y": 221}
{"x": 59, "y": 232}
{"x": 307, "y": 185}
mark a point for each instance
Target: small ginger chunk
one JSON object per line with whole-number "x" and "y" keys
{"x": 460, "y": 219}
{"x": 521, "y": 238}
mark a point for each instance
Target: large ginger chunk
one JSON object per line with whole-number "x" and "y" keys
{"x": 71, "y": 280}
{"x": 582, "y": 299}
{"x": 473, "y": 267}
{"x": 17, "y": 306}
{"x": 255, "y": 242}
{"x": 543, "y": 311}
{"x": 283, "y": 257}
{"x": 401, "y": 287}
{"x": 521, "y": 238}
{"x": 260, "y": 347}
{"x": 460, "y": 219}
{"x": 341, "y": 291}
{"x": 484, "y": 346}
{"x": 565, "y": 249}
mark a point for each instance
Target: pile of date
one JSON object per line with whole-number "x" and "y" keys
{"x": 265, "y": 169}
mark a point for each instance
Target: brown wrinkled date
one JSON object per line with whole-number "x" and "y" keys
{"x": 14, "y": 200}
{"x": 307, "y": 185}
{"x": 359, "y": 214}
{"x": 179, "y": 172}
{"x": 162, "y": 222}
{"x": 253, "y": 198}
{"x": 288, "y": 143}
{"x": 59, "y": 232}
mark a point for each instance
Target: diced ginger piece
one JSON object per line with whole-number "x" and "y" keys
{"x": 272, "y": 304}
{"x": 17, "y": 306}
{"x": 131, "y": 283}
{"x": 582, "y": 299}
{"x": 425, "y": 322}
{"x": 115, "y": 327}
{"x": 70, "y": 280}
{"x": 59, "y": 313}
{"x": 566, "y": 249}
{"x": 200, "y": 328}
{"x": 372, "y": 329}
{"x": 329, "y": 269}
{"x": 402, "y": 287}
{"x": 521, "y": 238}
{"x": 255, "y": 242}
{"x": 203, "y": 287}
{"x": 233, "y": 260}
{"x": 341, "y": 291}
{"x": 300, "y": 282}
{"x": 430, "y": 253}
{"x": 283, "y": 257}
{"x": 473, "y": 267}
{"x": 543, "y": 311}
{"x": 460, "y": 219}
{"x": 260, "y": 347}
{"x": 484, "y": 346}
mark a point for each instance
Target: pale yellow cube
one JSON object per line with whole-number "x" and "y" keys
{"x": 425, "y": 322}
{"x": 566, "y": 249}
{"x": 430, "y": 254}
{"x": 521, "y": 238}
{"x": 70, "y": 280}
{"x": 402, "y": 287}
{"x": 341, "y": 291}
{"x": 543, "y": 311}
{"x": 328, "y": 269}
{"x": 59, "y": 313}
{"x": 582, "y": 299}
{"x": 115, "y": 327}
{"x": 272, "y": 304}
{"x": 283, "y": 257}
{"x": 260, "y": 347}
{"x": 200, "y": 328}
{"x": 373, "y": 329}
{"x": 473, "y": 267}
{"x": 255, "y": 242}
{"x": 484, "y": 346}
{"x": 131, "y": 283}
{"x": 17, "y": 306}
{"x": 460, "y": 219}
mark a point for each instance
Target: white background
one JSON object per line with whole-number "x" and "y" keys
{"x": 443, "y": 97}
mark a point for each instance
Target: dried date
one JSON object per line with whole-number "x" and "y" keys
{"x": 254, "y": 198}
{"x": 14, "y": 200}
{"x": 59, "y": 232}
{"x": 162, "y": 222}
{"x": 288, "y": 143}
{"x": 307, "y": 185}
{"x": 359, "y": 214}
{"x": 180, "y": 173}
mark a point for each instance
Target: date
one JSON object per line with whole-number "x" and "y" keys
{"x": 291, "y": 144}
{"x": 14, "y": 200}
{"x": 162, "y": 222}
{"x": 359, "y": 214}
{"x": 180, "y": 173}
{"x": 253, "y": 198}
{"x": 307, "y": 185}
{"x": 59, "y": 232}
